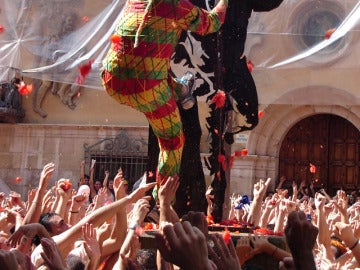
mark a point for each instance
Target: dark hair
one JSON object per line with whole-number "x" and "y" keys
{"x": 74, "y": 263}
{"x": 45, "y": 220}
{"x": 146, "y": 259}
{"x": 16, "y": 80}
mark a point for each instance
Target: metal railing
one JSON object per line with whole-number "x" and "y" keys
{"x": 121, "y": 151}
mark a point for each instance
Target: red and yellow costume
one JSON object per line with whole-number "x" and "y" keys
{"x": 136, "y": 68}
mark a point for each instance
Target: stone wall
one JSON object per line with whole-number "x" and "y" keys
{"x": 25, "y": 149}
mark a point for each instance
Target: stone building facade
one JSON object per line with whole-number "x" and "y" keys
{"x": 326, "y": 83}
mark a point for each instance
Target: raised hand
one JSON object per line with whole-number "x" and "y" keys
{"x": 225, "y": 256}
{"x": 319, "y": 200}
{"x": 300, "y": 237}
{"x": 142, "y": 189}
{"x": 197, "y": 219}
{"x": 45, "y": 175}
{"x": 184, "y": 245}
{"x": 51, "y": 254}
{"x": 260, "y": 188}
{"x": 91, "y": 245}
{"x": 100, "y": 198}
{"x": 255, "y": 208}
{"x": 119, "y": 185}
{"x": 342, "y": 205}
{"x": 29, "y": 231}
{"x": 345, "y": 233}
{"x": 141, "y": 208}
{"x": 167, "y": 191}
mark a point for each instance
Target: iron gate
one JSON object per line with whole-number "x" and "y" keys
{"x": 112, "y": 153}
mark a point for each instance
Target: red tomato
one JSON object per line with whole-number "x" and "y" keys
{"x": 226, "y": 236}
{"x": 115, "y": 38}
{"x": 67, "y": 185}
{"x": 237, "y": 153}
{"x": 250, "y": 65}
{"x": 312, "y": 168}
{"x": 244, "y": 152}
{"x": 149, "y": 226}
{"x": 329, "y": 32}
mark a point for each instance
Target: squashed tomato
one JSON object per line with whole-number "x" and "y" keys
{"x": 67, "y": 185}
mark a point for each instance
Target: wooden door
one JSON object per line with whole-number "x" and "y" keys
{"x": 329, "y": 142}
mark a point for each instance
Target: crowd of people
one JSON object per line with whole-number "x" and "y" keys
{"x": 61, "y": 227}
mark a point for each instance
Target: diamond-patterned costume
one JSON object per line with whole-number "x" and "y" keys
{"x": 136, "y": 68}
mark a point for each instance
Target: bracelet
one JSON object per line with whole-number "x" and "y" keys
{"x": 354, "y": 245}
{"x": 133, "y": 225}
{"x": 273, "y": 253}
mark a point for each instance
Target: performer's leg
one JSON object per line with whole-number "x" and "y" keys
{"x": 175, "y": 86}
{"x": 166, "y": 123}
{"x": 156, "y": 100}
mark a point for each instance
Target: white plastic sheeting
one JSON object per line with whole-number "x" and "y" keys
{"x": 50, "y": 39}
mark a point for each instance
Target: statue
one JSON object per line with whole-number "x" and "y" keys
{"x": 66, "y": 92}
{"x": 11, "y": 110}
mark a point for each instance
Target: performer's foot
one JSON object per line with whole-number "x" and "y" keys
{"x": 187, "y": 100}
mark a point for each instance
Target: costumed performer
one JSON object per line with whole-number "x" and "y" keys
{"x": 136, "y": 68}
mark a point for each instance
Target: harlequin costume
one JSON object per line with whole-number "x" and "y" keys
{"x": 136, "y": 67}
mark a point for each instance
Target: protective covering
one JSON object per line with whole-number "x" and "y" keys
{"x": 50, "y": 40}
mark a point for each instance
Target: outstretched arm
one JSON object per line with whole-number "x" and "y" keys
{"x": 82, "y": 172}
{"x": 166, "y": 195}
{"x": 200, "y": 20}
{"x": 91, "y": 184}
{"x": 345, "y": 233}
{"x": 106, "y": 180}
{"x": 118, "y": 232}
{"x": 34, "y": 212}
{"x": 255, "y": 207}
{"x": 66, "y": 239}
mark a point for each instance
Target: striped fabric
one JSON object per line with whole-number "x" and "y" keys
{"x": 138, "y": 75}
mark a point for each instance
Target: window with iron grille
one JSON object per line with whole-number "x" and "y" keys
{"x": 128, "y": 153}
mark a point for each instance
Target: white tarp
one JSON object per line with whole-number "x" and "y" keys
{"x": 50, "y": 39}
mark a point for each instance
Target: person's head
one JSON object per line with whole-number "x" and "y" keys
{"x": 97, "y": 185}
{"x": 111, "y": 184}
{"x": 53, "y": 223}
{"x": 86, "y": 179}
{"x": 3, "y": 244}
{"x": 146, "y": 258}
{"x": 74, "y": 263}
{"x": 68, "y": 23}
{"x": 77, "y": 258}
